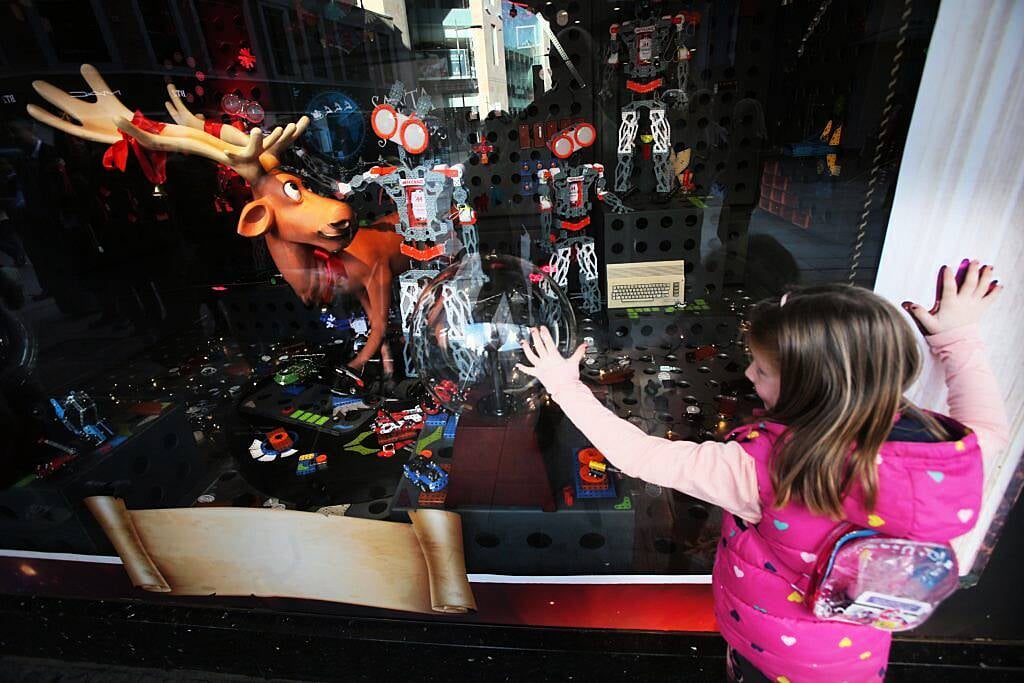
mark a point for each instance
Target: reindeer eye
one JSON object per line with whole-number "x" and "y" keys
{"x": 292, "y": 191}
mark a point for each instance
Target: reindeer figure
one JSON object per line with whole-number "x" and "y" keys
{"x": 313, "y": 240}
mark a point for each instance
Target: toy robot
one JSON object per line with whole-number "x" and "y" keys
{"x": 565, "y": 212}
{"x": 423, "y": 195}
{"x": 650, "y": 44}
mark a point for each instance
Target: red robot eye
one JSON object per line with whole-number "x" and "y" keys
{"x": 570, "y": 140}
{"x": 414, "y": 136}
{"x": 384, "y": 121}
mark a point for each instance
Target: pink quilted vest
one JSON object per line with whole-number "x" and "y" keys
{"x": 927, "y": 491}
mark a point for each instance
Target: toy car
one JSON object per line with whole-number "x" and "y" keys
{"x": 425, "y": 474}
{"x": 78, "y": 413}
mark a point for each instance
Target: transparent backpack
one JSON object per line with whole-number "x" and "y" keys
{"x": 893, "y": 584}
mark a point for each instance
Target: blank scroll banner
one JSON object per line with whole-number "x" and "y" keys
{"x": 418, "y": 567}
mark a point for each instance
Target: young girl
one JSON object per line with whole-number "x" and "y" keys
{"x": 837, "y": 442}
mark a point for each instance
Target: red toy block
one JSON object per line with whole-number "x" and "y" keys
{"x": 279, "y": 439}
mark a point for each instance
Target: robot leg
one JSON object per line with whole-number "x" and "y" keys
{"x": 662, "y": 133}
{"x": 627, "y": 144}
{"x": 586, "y": 256}
{"x": 559, "y": 267}
{"x": 459, "y": 314}
{"x": 410, "y": 284}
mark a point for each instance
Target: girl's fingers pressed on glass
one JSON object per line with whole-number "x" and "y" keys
{"x": 526, "y": 369}
{"x": 971, "y": 279}
{"x": 549, "y": 343}
{"x": 528, "y": 352}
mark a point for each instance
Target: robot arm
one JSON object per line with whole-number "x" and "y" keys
{"x": 355, "y": 183}
{"x": 344, "y": 190}
{"x": 610, "y": 199}
{"x": 467, "y": 216}
{"x": 686, "y": 27}
{"x": 611, "y": 60}
{"x": 544, "y": 178}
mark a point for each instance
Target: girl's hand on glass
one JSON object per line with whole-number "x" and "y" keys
{"x": 958, "y": 303}
{"x": 546, "y": 363}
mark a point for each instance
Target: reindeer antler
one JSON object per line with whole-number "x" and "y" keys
{"x": 244, "y": 160}
{"x": 271, "y": 156}
{"x": 105, "y": 119}
{"x": 97, "y": 118}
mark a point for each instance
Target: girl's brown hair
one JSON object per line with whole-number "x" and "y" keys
{"x": 844, "y": 356}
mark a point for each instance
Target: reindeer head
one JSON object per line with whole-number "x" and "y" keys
{"x": 302, "y": 229}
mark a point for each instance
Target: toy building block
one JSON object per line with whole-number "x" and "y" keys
{"x": 306, "y": 465}
{"x": 592, "y": 482}
{"x": 279, "y": 439}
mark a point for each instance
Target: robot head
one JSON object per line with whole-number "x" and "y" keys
{"x": 568, "y": 141}
{"x": 409, "y": 127}
{"x": 406, "y": 131}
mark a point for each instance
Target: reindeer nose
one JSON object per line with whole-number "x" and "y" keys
{"x": 343, "y": 224}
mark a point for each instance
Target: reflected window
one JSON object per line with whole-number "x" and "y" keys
{"x": 74, "y": 31}
{"x": 277, "y": 39}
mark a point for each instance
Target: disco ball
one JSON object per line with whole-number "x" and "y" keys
{"x": 467, "y": 327}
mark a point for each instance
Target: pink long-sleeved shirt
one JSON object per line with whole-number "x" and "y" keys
{"x": 723, "y": 473}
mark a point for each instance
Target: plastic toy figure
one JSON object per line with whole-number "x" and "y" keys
{"x": 312, "y": 239}
{"x": 423, "y": 194}
{"x": 425, "y": 474}
{"x": 396, "y": 430}
{"x": 565, "y": 212}
{"x": 650, "y": 44}
{"x": 78, "y": 413}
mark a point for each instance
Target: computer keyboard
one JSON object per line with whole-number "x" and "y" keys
{"x": 649, "y": 283}
{"x": 641, "y": 292}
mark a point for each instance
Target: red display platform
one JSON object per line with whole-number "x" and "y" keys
{"x": 497, "y": 462}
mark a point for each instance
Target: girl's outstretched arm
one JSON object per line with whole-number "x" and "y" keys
{"x": 720, "y": 473}
{"x": 951, "y": 330}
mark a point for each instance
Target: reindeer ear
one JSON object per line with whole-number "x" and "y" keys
{"x": 256, "y": 218}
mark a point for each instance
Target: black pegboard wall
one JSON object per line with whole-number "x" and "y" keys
{"x": 722, "y": 124}
{"x": 272, "y": 313}
{"x": 508, "y": 180}
{"x": 669, "y": 233}
{"x": 667, "y": 327}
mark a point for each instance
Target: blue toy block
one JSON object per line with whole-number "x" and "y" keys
{"x": 450, "y": 427}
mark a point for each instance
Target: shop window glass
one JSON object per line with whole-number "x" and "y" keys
{"x": 732, "y": 154}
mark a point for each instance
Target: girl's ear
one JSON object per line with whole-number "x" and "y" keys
{"x": 256, "y": 218}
